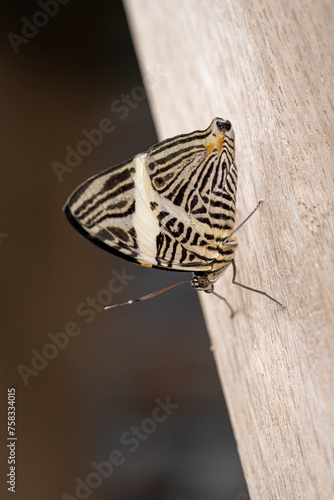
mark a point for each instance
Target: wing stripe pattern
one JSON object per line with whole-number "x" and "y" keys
{"x": 171, "y": 207}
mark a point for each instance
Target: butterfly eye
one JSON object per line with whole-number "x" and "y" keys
{"x": 159, "y": 182}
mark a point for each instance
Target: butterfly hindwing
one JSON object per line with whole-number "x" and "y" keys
{"x": 102, "y": 209}
{"x": 170, "y": 207}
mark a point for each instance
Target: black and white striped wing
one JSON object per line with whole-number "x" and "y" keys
{"x": 102, "y": 209}
{"x": 170, "y": 207}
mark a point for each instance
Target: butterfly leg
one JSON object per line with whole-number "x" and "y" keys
{"x": 226, "y": 302}
{"x": 242, "y": 223}
{"x": 249, "y": 288}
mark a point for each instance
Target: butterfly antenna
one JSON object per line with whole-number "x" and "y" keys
{"x": 149, "y": 296}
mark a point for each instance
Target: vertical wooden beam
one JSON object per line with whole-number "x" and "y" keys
{"x": 267, "y": 67}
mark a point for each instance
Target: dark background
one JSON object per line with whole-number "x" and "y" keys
{"x": 73, "y": 411}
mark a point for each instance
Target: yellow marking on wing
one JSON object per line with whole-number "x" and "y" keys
{"x": 210, "y": 146}
{"x": 142, "y": 263}
{"x": 219, "y": 144}
{"x": 215, "y": 142}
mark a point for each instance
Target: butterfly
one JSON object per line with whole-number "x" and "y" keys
{"x": 171, "y": 208}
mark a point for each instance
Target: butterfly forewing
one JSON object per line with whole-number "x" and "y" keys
{"x": 171, "y": 207}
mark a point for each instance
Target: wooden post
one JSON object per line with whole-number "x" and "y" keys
{"x": 267, "y": 67}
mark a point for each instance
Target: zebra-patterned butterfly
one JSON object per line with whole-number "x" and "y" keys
{"x": 172, "y": 207}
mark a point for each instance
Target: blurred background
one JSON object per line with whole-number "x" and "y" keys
{"x": 88, "y": 382}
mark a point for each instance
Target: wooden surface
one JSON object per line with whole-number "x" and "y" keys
{"x": 267, "y": 67}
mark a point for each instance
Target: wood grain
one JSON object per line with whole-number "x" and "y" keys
{"x": 267, "y": 67}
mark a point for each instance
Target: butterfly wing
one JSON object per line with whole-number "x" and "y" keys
{"x": 161, "y": 208}
{"x": 103, "y": 207}
{"x": 196, "y": 181}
